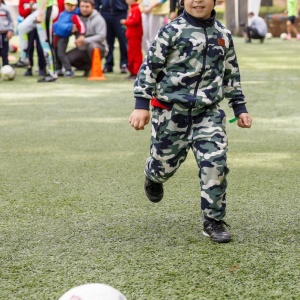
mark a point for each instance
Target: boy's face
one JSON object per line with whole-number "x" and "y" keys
{"x": 69, "y": 7}
{"x": 199, "y": 8}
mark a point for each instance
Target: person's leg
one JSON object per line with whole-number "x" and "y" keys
{"x": 168, "y": 149}
{"x": 62, "y": 44}
{"x": 169, "y": 145}
{"x": 249, "y": 32}
{"x": 135, "y": 56}
{"x": 209, "y": 148}
{"x": 40, "y": 53}
{"x": 27, "y": 25}
{"x": 5, "y": 49}
{"x": 110, "y": 38}
{"x": 120, "y": 34}
{"x": 30, "y": 49}
{"x": 79, "y": 59}
{"x": 155, "y": 24}
{"x": 45, "y": 40}
{"x": 146, "y": 33}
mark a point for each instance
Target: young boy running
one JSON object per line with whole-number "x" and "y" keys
{"x": 189, "y": 69}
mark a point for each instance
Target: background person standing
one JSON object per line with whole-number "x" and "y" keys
{"x": 292, "y": 12}
{"x": 113, "y": 11}
{"x": 134, "y": 34}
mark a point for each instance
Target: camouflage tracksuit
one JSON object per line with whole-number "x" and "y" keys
{"x": 190, "y": 67}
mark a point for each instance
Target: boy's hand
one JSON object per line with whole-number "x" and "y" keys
{"x": 122, "y": 21}
{"x": 74, "y": 28}
{"x": 139, "y": 118}
{"x": 244, "y": 120}
{"x": 79, "y": 41}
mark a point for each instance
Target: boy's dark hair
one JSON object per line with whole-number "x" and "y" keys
{"x": 89, "y": 1}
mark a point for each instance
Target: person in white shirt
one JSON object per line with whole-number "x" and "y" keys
{"x": 256, "y": 30}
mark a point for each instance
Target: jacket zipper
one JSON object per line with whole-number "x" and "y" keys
{"x": 203, "y": 66}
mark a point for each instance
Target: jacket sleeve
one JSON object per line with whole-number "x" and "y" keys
{"x": 79, "y": 24}
{"x": 151, "y": 70}
{"x": 232, "y": 82}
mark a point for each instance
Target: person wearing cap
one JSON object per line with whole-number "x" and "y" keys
{"x": 68, "y": 23}
{"x": 189, "y": 69}
{"x": 94, "y": 37}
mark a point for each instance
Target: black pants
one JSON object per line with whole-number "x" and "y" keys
{"x": 115, "y": 30}
{"x": 62, "y": 44}
{"x": 82, "y": 59}
{"x": 33, "y": 39}
{"x": 4, "y": 46}
{"x": 253, "y": 34}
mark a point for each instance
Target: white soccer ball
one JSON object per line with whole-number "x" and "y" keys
{"x": 269, "y": 35}
{"x": 283, "y": 36}
{"x": 93, "y": 291}
{"x": 7, "y": 73}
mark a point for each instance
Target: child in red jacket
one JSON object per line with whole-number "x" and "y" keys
{"x": 134, "y": 34}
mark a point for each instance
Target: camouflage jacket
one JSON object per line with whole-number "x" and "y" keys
{"x": 191, "y": 62}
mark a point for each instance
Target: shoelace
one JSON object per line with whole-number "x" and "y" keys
{"x": 220, "y": 226}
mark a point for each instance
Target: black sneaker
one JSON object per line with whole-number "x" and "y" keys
{"x": 48, "y": 78}
{"x": 124, "y": 69}
{"x": 216, "y": 231}
{"x": 154, "y": 191}
{"x": 28, "y": 72}
{"x": 107, "y": 70}
{"x": 60, "y": 73}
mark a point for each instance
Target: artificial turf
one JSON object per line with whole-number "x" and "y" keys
{"x": 73, "y": 210}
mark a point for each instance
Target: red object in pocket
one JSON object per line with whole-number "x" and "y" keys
{"x": 156, "y": 103}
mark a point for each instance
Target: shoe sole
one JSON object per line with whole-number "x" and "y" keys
{"x": 216, "y": 241}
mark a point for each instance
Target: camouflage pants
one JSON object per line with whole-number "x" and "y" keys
{"x": 173, "y": 133}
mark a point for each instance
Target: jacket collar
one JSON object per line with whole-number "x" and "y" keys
{"x": 198, "y": 22}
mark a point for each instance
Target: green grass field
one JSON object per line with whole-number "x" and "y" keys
{"x": 73, "y": 210}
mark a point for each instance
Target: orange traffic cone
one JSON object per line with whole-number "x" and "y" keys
{"x": 96, "y": 70}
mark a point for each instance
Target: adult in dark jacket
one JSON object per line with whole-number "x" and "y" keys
{"x": 113, "y": 11}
